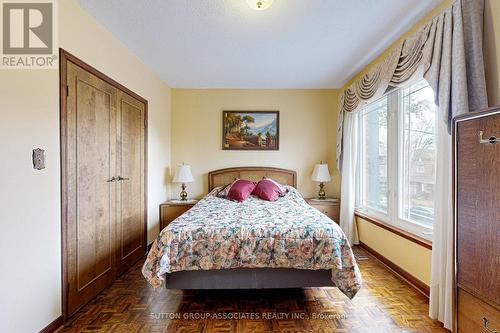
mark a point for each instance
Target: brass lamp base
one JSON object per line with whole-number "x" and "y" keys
{"x": 321, "y": 193}
{"x": 183, "y": 193}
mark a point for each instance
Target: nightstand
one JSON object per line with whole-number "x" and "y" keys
{"x": 328, "y": 207}
{"x": 172, "y": 209}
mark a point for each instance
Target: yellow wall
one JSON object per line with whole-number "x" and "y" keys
{"x": 30, "y": 244}
{"x": 410, "y": 256}
{"x": 413, "y": 258}
{"x": 308, "y": 120}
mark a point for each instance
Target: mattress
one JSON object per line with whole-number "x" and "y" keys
{"x": 221, "y": 234}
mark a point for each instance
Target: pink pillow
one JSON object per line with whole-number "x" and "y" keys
{"x": 268, "y": 189}
{"x": 224, "y": 191}
{"x": 240, "y": 190}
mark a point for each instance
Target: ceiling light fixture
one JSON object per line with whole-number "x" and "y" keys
{"x": 260, "y": 4}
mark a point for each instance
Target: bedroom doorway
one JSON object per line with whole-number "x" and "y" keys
{"x": 103, "y": 181}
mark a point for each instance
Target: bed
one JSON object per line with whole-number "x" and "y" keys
{"x": 256, "y": 244}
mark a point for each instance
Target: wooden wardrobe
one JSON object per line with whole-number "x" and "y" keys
{"x": 103, "y": 168}
{"x": 477, "y": 222}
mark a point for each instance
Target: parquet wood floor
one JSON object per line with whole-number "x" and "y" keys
{"x": 385, "y": 304}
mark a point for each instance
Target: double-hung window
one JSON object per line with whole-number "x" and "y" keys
{"x": 396, "y": 165}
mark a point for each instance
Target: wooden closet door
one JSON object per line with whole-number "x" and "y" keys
{"x": 90, "y": 190}
{"x": 131, "y": 226}
{"x": 478, "y": 205}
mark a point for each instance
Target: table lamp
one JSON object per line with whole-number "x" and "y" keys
{"x": 183, "y": 175}
{"x": 321, "y": 174}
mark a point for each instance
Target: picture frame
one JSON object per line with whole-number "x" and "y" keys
{"x": 250, "y": 130}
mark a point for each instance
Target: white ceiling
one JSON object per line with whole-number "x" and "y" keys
{"x": 225, "y": 44}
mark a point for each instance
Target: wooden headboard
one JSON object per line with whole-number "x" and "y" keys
{"x": 226, "y": 176}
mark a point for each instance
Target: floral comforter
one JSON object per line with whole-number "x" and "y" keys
{"x": 221, "y": 234}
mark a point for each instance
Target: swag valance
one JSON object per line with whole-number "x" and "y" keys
{"x": 447, "y": 52}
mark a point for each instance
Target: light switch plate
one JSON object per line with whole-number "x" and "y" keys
{"x": 38, "y": 159}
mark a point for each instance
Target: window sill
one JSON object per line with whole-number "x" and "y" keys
{"x": 402, "y": 233}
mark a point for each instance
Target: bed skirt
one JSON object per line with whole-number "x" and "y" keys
{"x": 249, "y": 278}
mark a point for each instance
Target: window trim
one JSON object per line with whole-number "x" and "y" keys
{"x": 394, "y": 151}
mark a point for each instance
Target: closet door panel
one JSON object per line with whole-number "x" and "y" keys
{"x": 131, "y": 220}
{"x": 91, "y": 196}
{"x": 103, "y": 181}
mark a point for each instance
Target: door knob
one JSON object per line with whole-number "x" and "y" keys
{"x": 485, "y": 326}
{"x": 491, "y": 140}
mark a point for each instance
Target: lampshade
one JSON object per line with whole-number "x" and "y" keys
{"x": 183, "y": 174}
{"x": 321, "y": 173}
{"x": 259, "y": 4}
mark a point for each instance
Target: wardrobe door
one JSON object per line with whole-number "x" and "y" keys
{"x": 478, "y": 208}
{"x": 90, "y": 190}
{"x": 131, "y": 222}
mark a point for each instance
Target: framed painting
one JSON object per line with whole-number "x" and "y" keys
{"x": 250, "y": 130}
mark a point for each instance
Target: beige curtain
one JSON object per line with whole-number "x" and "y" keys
{"x": 448, "y": 53}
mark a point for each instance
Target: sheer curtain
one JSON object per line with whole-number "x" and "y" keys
{"x": 440, "y": 306}
{"x": 348, "y": 177}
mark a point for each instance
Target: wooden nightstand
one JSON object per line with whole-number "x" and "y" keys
{"x": 172, "y": 209}
{"x": 329, "y": 208}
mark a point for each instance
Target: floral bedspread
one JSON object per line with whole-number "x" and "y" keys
{"x": 221, "y": 234}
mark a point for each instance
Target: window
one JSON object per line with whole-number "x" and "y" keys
{"x": 397, "y": 158}
{"x": 418, "y": 154}
{"x": 373, "y": 154}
